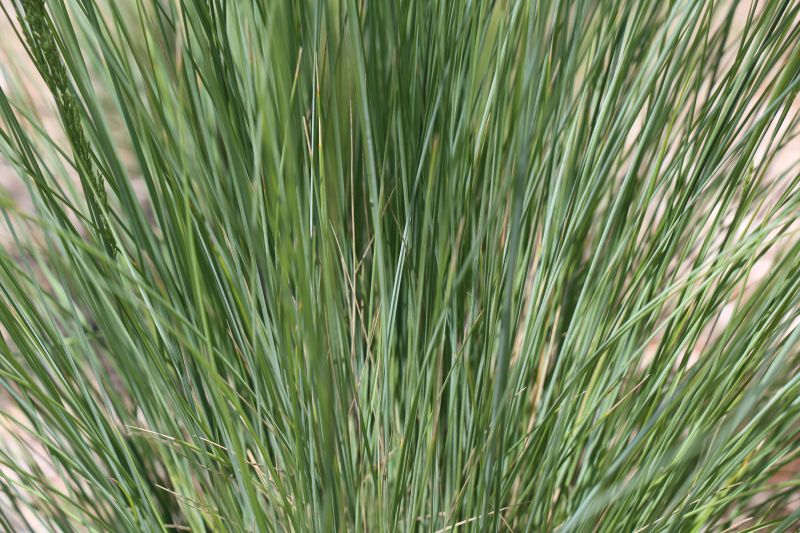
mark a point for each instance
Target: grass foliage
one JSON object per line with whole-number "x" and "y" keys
{"x": 403, "y": 266}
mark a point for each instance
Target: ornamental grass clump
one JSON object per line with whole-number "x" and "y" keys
{"x": 402, "y": 266}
